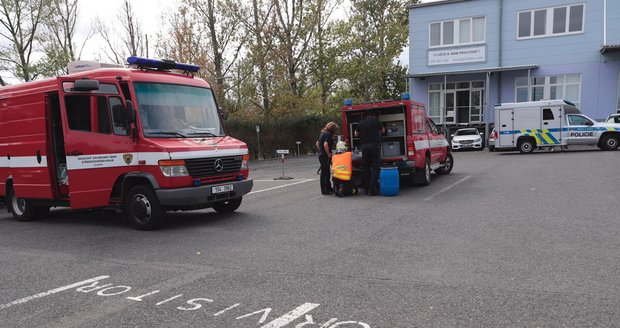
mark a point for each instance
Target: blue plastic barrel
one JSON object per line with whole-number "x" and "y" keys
{"x": 388, "y": 181}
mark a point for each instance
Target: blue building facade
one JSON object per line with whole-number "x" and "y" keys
{"x": 468, "y": 55}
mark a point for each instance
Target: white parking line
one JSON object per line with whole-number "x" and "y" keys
{"x": 53, "y": 291}
{"x": 282, "y": 186}
{"x": 467, "y": 177}
{"x": 291, "y": 316}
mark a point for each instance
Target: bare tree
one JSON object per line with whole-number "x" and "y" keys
{"x": 295, "y": 30}
{"x": 20, "y": 20}
{"x": 259, "y": 25}
{"x": 59, "y": 42}
{"x": 225, "y": 38}
{"x": 132, "y": 41}
{"x": 324, "y": 68}
{"x": 183, "y": 40}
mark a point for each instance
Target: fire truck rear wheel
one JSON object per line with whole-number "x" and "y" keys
{"x": 423, "y": 177}
{"x": 22, "y": 209}
{"x": 448, "y": 164}
{"x": 228, "y": 206}
{"x": 142, "y": 208}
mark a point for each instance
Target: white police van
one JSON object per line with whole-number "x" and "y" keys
{"x": 550, "y": 123}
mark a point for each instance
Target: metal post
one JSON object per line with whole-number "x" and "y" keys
{"x": 487, "y": 87}
{"x": 258, "y": 140}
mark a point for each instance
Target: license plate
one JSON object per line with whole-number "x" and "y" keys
{"x": 221, "y": 189}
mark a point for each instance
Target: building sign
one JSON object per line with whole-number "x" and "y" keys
{"x": 457, "y": 56}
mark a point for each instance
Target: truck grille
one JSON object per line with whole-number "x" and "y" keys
{"x": 206, "y": 167}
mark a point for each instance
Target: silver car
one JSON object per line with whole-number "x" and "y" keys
{"x": 469, "y": 138}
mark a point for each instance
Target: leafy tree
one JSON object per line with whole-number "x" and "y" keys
{"x": 59, "y": 44}
{"x": 373, "y": 37}
{"x": 21, "y": 21}
{"x": 224, "y": 37}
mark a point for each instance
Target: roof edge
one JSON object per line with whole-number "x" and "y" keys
{"x": 473, "y": 71}
{"x": 436, "y": 3}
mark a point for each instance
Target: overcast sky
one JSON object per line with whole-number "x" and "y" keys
{"x": 149, "y": 13}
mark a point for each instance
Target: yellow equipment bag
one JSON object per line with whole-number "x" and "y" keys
{"x": 341, "y": 166}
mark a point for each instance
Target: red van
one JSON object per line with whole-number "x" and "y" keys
{"x": 147, "y": 139}
{"x": 412, "y": 142}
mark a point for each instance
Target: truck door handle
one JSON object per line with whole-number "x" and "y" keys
{"x": 503, "y": 125}
{"x": 75, "y": 153}
{"x": 546, "y": 123}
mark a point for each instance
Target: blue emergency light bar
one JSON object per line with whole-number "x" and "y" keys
{"x": 406, "y": 96}
{"x": 348, "y": 102}
{"x": 161, "y": 65}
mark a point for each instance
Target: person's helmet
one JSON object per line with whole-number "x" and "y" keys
{"x": 341, "y": 147}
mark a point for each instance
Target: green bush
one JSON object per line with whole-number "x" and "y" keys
{"x": 280, "y": 133}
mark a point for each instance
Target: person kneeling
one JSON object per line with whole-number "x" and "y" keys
{"x": 341, "y": 172}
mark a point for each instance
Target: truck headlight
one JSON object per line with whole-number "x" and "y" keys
{"x": 173, "y": 168}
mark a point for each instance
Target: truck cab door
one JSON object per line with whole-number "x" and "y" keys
{"x": 98, "y": 143}
{"x": 581, "y": 130}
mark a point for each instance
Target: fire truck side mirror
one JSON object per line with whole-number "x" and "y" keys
{"x": 131, "y": 113}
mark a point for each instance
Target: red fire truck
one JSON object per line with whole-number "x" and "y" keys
{"x": 412, "y": 142}
{"x": 147, "y": 139}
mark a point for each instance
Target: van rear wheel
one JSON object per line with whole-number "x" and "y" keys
{"x": 526, "y": 146}
{"x": 447, "y": 165}
{"x": 423, "y": 177}
{"x": 23, "y": 210}
{"x": 142, "y": 208}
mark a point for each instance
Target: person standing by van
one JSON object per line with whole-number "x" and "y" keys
{"x": 369, "y": 130}
{"x": 325, "y": 144}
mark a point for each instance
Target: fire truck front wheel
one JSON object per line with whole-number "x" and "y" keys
{"x": 228, "y": 206}
{"x": 142, "y": 208}
{"x": 23, "y": 210}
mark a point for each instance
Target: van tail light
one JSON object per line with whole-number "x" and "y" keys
{"x": 410, "y": 148}
{"x": 245, "y": 166}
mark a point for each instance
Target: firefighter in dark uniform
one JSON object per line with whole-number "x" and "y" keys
{"x": 369, "y": 130}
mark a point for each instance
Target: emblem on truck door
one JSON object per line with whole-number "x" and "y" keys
{"x": 127, "y": 158}
{"x": 218, "y": 165}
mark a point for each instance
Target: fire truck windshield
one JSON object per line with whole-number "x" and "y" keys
{"x": 177, "y": 111}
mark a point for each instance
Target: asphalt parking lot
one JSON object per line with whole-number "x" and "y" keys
{"x": 506, "y": 240}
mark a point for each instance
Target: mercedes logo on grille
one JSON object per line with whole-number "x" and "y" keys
{"x": 218, "y": 165}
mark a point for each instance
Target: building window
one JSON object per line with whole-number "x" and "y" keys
{"x": 456, "y": 102}
{"x": 457, "y": 32}
{"x": 551, "y": 21}
{"x": 549, "y": 87}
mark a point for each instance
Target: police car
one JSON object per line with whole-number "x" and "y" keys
{"x": 552, "y": 123}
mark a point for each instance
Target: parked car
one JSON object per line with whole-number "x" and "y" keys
{"x": 491, "y": 142}
{"x": 466, "y": 139}
{"x": 613, "y": 118}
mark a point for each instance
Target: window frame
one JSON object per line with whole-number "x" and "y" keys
{"x": 456, "y": 32}
{"x": 547, "y": 85}
{"x": 549, "y": 22}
